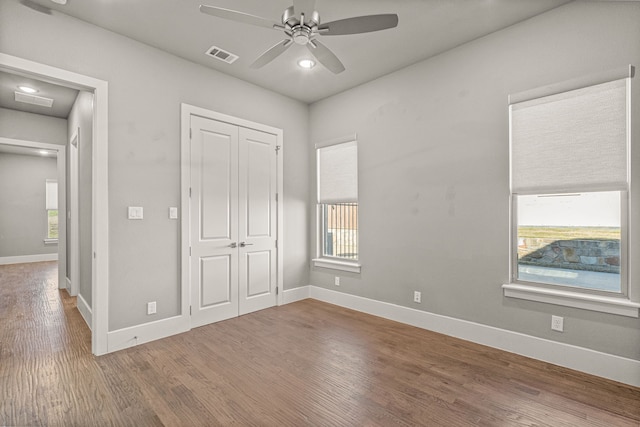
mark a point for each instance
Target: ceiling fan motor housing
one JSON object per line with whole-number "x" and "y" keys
{"x": 300, "y": 29}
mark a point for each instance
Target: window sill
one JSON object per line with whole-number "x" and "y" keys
{"x": 612, "y": 305}
{"x": 352, "y": 267}
{"x": 50, "y": 241}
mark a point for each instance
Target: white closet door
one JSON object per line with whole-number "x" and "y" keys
{"x": 232, "y": 221}
{"x": 257, "y": 221}
{"x": 214, "y": 224}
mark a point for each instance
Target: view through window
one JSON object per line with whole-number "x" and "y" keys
{"x": 51, "y": 205}
{"x": 570, "y": 239}
{"x": 340, "y": 230}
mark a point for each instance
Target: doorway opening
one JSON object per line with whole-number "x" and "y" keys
{"x": 97, "y": 253}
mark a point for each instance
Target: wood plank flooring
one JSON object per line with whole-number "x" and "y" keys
{"x": 302, "y": 364}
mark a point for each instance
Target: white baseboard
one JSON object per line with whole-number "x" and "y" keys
{"x": 68, "y": 288}
{"x": 22, "y": 259}
{"x": 592, "y": 362}
{"x": 134, "y": 335}
{"x": 140, "y": 334}
{"x": 296, "y": 294}
{"x": 84, "y": 310}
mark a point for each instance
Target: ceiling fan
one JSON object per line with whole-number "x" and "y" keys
{"x": 301, "y": 24}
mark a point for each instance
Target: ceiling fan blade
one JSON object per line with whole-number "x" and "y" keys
{"x": 325, "y": 56}
{"x": 306, "y": 7}
{"x": 239, "y": 16}
{"x": 272, "y": 53}
{"x": 359, "y": 24}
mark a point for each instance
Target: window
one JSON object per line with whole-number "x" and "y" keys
{"x": 337, "y": 168}
{"x": 52, "y": 210}
{"x": 570, "y": 240}
{"x": 340, "y": 230}
{"x": 569, "y": 192}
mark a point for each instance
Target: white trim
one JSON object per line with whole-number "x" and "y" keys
{"x": 100, "y": 195}
{"x": 592, "y": 362}
{"x": 185, "y": 212}
{"x": 140, "y": 334}
{"x": 296, "y": 294}
{"x": 336, "y": 141}
{"x": 627, "y": 71}
{"x": 61, "y": 162}
{"x": 619, "y": 306}
{"x": 351, "y": 267}
{"x": 23, "y": 259}
{"x": 280, "y": 215}
{"x": 84, "y": 310}
{"x": 73, "y": 219}
{"x": 68, "y": 284}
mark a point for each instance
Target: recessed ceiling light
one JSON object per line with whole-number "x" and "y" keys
{"x": 306, "y": 64}
{"x": 27, "y": 89}
{"x": 60, "y": 1}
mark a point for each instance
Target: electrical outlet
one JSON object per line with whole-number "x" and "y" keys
{"x": 557, "y": 323}
{"x": 417, "y": 296}
{"x": 336, "y": 281}
{"x": 151, "y": 307}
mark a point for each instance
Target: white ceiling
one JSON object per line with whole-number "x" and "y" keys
{"x": 426, "y": 28}
{"x": 63, "y": 97}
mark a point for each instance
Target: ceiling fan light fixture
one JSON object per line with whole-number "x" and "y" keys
{"x": 307, "y": 64}
{"x": 301, "y": 25}
{"x": 27, "y": 89}
{"x": 301, "y": 35}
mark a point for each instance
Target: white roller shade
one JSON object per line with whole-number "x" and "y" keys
{"x": 51, "y": 195}
{"x": 338, "y": 173}
{"x": 574, "y": 140}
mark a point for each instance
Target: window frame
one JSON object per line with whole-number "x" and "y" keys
{"x": 321, "y": 252}
{"x": 320, "y": 260}
{"x": 335, "y": 263}
{"x": 627, "y": 302}
{"x": 624, "y": 253}
{"x": 48, "y": 239}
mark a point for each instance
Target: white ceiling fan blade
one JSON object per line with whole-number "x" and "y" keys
{"x": 239, "y": 17}
{"x": 272, "y": 53}
{"x": 359, "y": 24}
{"x": 325, "y": 56}
{"x": 306, "y": 7}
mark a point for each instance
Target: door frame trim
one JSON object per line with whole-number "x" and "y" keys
{"x": 74, "y": 224}
{"x": 100, "y": 182}
{"x": 186, "y": 111}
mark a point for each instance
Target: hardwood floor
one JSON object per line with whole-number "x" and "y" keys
{"x": 307, "y": 363}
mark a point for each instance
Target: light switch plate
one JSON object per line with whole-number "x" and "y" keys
{"x": 135, "y": 212}
{"x": 173, "y": 213}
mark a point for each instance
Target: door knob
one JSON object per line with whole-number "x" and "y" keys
{"x": 243, "y": 244}
{"x": 233, "y": 245}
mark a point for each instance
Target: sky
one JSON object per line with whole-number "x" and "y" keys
{"x": 600, "y": 209}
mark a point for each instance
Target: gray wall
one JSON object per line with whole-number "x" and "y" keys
{"x": 81, "y": 117}
{"x": 32, "y": 127}
{"x": 434, "y": 171}
{"x": 23, "y": 216}
{"x": 146, "y": 87}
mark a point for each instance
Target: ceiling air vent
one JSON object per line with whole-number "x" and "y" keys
{"x": 221, "y": 54}
{"x": 33, "y": 99}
